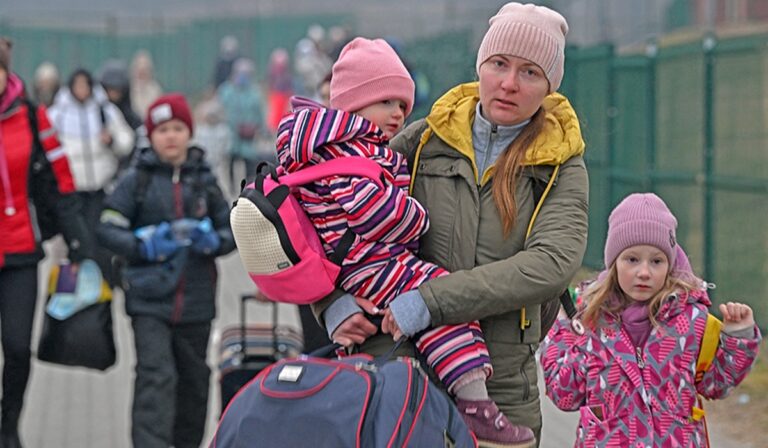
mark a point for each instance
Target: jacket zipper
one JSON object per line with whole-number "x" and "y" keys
{"x": 639, "y": 356}
{"x": 488, "y": 154}
{"x": 85, "y": 130}
{"x": 178, "y": 200}
{"x": 367, "y": 434}
{"x": 413, "y": 403}
{"x": 526, "y": 380}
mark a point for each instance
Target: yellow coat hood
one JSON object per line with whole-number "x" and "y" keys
{"x": 452, "y": 116}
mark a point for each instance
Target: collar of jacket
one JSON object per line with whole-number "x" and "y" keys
{"x": 452, "y": 116}
{"x": 148, "y": 158}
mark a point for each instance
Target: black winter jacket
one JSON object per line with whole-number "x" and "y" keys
{"x": 190, "y": 191}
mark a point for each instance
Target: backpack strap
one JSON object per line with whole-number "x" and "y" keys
{"x": 413, "y": 161}
{"x": 143, "y": 178}
{"x": 540, "y": 192}
{"x": 709, "y": 344}
{"x": 343, "y": 166}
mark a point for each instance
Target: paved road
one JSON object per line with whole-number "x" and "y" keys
{"x": 72, "y": 407}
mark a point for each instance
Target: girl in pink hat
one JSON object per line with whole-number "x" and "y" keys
{"x": 630, "y": 369}
{"x": 371, "y": 96}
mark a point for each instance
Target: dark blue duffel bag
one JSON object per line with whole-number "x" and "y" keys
{"x": 351, "y": 402}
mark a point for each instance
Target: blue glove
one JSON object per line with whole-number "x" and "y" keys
{"x": 204, "y": 238}
{"x": 156, "y": 243}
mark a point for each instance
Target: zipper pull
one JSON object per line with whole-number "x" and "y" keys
{"x": 639, "y": 355}
{"x": 176, "y": 175}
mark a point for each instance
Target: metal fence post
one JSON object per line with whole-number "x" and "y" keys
{"x": 708, "y": 45}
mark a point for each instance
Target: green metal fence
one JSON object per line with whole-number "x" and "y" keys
{"x": 689, "y": 122}
{"x": 184, "y": 55}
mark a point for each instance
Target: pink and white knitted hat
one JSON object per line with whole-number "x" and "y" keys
{"x": 369, "y": 71}
{"x": 531, "y": 32}
{"x": 640, "y": 219}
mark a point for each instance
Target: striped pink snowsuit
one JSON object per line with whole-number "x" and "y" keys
{"x": 386, "y": 221}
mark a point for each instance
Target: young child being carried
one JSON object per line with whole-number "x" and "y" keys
{"x": 371, "y": 95}
{"x": 630, "y": 369}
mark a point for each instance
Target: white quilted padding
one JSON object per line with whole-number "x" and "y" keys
{"x": 257, "y": 240}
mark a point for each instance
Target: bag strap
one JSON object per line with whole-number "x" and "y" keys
{"x": 709, "y": 343}
{"x": 143, "y": 178}
{"x": 343, "y": 166}
{"x": 540, "y": 193}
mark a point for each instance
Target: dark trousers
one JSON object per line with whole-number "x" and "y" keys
{"x": 18, "y": 296}
{"x": 170, "y": 398}
{"x": 93, "y": 202}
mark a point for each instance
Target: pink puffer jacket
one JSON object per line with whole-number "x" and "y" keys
{"x": 630, "y": 397}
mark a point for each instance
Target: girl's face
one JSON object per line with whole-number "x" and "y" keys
{"x": 80, "y": 89}
{"x": 171, "y": 140}
{"x": 3, "y": 81}
{"x": 388, "y": 115}
{"x": 642, "y": 271}
{"x": 511, "y": 89}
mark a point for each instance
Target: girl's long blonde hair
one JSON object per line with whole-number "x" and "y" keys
{"x": 508, "y": 169}
{"x": 599, "y": 294}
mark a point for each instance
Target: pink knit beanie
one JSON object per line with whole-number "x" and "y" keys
{"x": 531, "y": 32}
{"x": 369, "y": 71}
{"x": 641, "y": 218}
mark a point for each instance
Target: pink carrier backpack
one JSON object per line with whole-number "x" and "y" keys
{"x": 277, "y": 242}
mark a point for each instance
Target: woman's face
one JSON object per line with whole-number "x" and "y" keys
{"x": 171, "y": 140}
{"x": 80, "y": 89}
{"x": 3, "y": 81}
{"x": 511, "y": 89}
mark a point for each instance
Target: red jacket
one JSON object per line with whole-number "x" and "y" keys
{"x": 34, "y": 179}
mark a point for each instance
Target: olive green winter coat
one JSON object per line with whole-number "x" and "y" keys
{"x": 493, "y": 277}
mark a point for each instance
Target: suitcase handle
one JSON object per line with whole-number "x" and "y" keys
{"x": 243, "y": 340}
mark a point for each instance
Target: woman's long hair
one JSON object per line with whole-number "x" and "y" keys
{"x": 508, "y": 169}
{"x": 599, "y": 296}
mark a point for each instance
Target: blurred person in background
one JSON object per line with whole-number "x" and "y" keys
{"x": 229, "y": 52}
{"x": 180, "y": 225}
{"x": 477, "y": 158}
{"x": 279, "y": 85}
{"x": 338, "y": 37}
{"x": 245, "y": 114}
{"x": 113, "y": 77}
{"x": 324, "y": 90}
{"x": 46, "y": 83}
{"x": 144, "y": 87}
{"x": 311, "y": 66}
{"x": 212, "y": 132}
{"x": 94, "y": 136}
{"x": 35, "y": 181}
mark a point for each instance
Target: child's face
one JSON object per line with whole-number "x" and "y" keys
{"x": 642, "y": 271}
{"x": 388, "y": 115}
{"x": 171, "y": 140}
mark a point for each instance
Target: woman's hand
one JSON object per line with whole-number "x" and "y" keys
{"x": 736, "y": 317}
{"x": 357, "y": 328}
{"x": 389, "y": 325}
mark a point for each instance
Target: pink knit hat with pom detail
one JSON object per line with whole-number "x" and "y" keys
{"x": 531, "y": 32}
{"x": 369, "y": 71}
{"x": 641, "y": 219}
